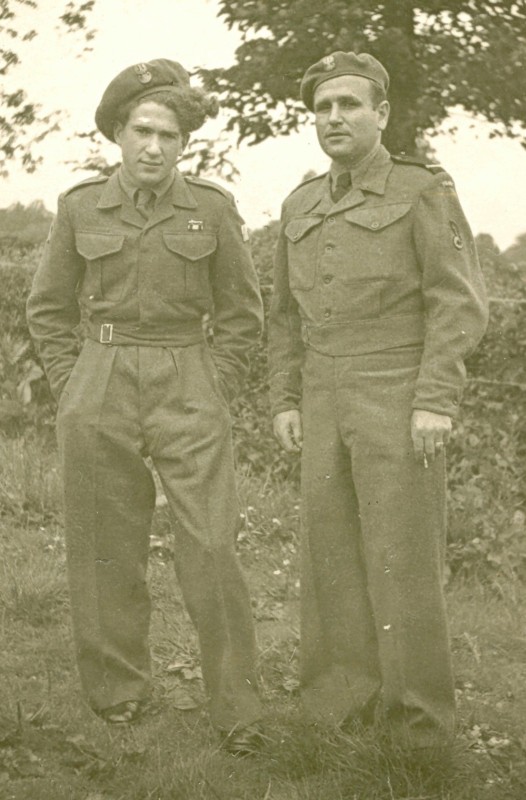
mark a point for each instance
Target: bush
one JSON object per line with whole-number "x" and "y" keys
{"x": 25, "y": 399}
{"x": 487, "y": 484}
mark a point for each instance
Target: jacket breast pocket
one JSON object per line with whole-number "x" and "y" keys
{"x": 105, "y": 268}
{"x": 377, "y": 240}
{"x": 301, "y": 251}
{"x": 184, "y": 267}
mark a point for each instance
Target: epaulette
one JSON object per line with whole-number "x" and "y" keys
{"x": 308, "y": 180}
{"x": 414, "y": 162}
{"x": 87, "y": 182}
{"x": 208, "y": 184}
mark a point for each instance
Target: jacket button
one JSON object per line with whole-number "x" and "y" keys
{"x": 296, "y": 236}
{"x": 327, "y": 278}
{"x": 327, "y": 313}
{"x": 331, "y": 221}
{"x": 375, "y": 224}
{"x": 329, "y": 248}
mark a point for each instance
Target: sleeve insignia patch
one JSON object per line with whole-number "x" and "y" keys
{"x": 457, "y": 238}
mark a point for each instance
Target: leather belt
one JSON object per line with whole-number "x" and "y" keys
{"x": 112, "y": 333}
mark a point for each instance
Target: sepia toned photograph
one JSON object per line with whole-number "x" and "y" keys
{"x": 262, "y": 400}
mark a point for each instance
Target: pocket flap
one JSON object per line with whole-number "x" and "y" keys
{"x": 297, "y": 228}
{"x": 377, "y": 217}
{"x": 191, "y": 246}
{"x": 98, "y": 245}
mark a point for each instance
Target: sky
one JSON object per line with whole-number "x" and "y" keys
{"x": 490, "y": 174}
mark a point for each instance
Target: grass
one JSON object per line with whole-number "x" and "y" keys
{"x": 53, "y": 748}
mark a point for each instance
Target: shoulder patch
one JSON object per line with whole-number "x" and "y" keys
{"x": 208, "y": 185}
{"x": 414, "y": 162}
{"x": 87, "y": 182}
{"x": 309, "y": 180}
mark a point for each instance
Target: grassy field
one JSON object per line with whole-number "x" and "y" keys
{"x": 53, "y": 748}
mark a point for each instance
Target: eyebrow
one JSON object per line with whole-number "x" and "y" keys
{"x": 163, "y": 131}
{"x": 338, "y": 98}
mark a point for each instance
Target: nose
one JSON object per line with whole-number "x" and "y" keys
{"x": 153, "y": 145}
{"x": 335, "y": 115}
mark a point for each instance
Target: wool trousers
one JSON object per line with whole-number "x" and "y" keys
{"x": 123, "y": 403}
{"x": 374, "y": 634}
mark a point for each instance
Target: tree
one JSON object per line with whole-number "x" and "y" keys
{"x": 22, "y": 124}
{"x": 469, "y": 53}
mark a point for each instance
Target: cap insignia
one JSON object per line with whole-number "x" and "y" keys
{"x": 329, "y": 62}
{"x": 457, "y": 238}
{"x": 143, "y": 74}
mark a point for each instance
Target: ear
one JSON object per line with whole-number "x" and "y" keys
{"x": 383, "y": 114}
{"x": 184, "y": 143}
{"x": 117, "y": 131}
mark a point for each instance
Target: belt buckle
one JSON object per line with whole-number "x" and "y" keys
{"x": 106, "y": 333}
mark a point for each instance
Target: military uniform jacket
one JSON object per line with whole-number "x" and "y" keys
{"x": 146, "y": 282}
{"x": 392, "y": 264}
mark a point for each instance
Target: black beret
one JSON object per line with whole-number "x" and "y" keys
{"x": 135, "y": 82}
{"x": 341, "y": 63}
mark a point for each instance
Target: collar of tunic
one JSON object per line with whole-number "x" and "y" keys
{"x": 370, "y": 175}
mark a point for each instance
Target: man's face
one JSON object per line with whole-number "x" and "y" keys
{"x": 347, "y": 124}
{"x": 151, "y": 143}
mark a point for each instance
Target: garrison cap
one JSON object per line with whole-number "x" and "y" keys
{"x": 135, "y": 82}
{"x": 337, "y": 64}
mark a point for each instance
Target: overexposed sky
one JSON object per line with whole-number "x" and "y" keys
{"x": 490, "y": 174}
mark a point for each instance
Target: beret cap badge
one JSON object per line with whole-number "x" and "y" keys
{"x": 337, "y": 64}
{"x": 135, "y": 82}
{"x": 143, "y": 75}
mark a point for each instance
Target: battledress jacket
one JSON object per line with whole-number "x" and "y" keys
{"x": 146, "y": 283}
{"x": 392, "y": 264}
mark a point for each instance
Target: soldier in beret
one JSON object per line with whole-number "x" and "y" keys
{"x": 378, "y": 300}
{"x": 138, "y": 259}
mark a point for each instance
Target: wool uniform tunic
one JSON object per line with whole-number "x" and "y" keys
{"x": 145, "y": 382}
{"x": 378, "y": 299}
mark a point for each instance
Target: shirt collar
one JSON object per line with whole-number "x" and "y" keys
{"x": 359, "y": 171}
{"x": 129, "y": 187}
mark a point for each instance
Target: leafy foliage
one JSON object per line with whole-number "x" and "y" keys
{"x": 440, "y": 54}
{"x": 25, "y": 399}
{"x": 22, "y": 124}
{"x": 486, "y": 458}
{"x": 24, "y": 225}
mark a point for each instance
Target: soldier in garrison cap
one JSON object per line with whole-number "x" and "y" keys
{"x": 139, "y": 259}
{"x": 378, "y": 299}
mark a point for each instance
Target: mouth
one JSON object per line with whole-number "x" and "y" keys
{"x": 337, "y": 135}
{"x": 151, "y": 164}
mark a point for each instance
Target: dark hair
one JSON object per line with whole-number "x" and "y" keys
{"x": 191, "y": 106}
{"x": 378, "y": 94}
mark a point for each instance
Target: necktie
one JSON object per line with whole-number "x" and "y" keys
{"x": 342, "y": 186}
{"x": 144, "y": 202}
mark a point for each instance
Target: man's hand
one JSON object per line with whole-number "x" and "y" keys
{"x": 430, "y": 433}
{"x": 288, "y": 430}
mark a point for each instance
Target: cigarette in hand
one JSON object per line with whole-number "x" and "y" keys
{"x": 426, "y": 465}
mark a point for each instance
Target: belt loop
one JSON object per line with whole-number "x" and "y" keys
{"x": 106, "y": 333}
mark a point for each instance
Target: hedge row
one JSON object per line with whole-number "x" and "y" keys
{"x": 487, "y": 481}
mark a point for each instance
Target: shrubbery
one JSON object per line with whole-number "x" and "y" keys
{"x": 487, "y": 481}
